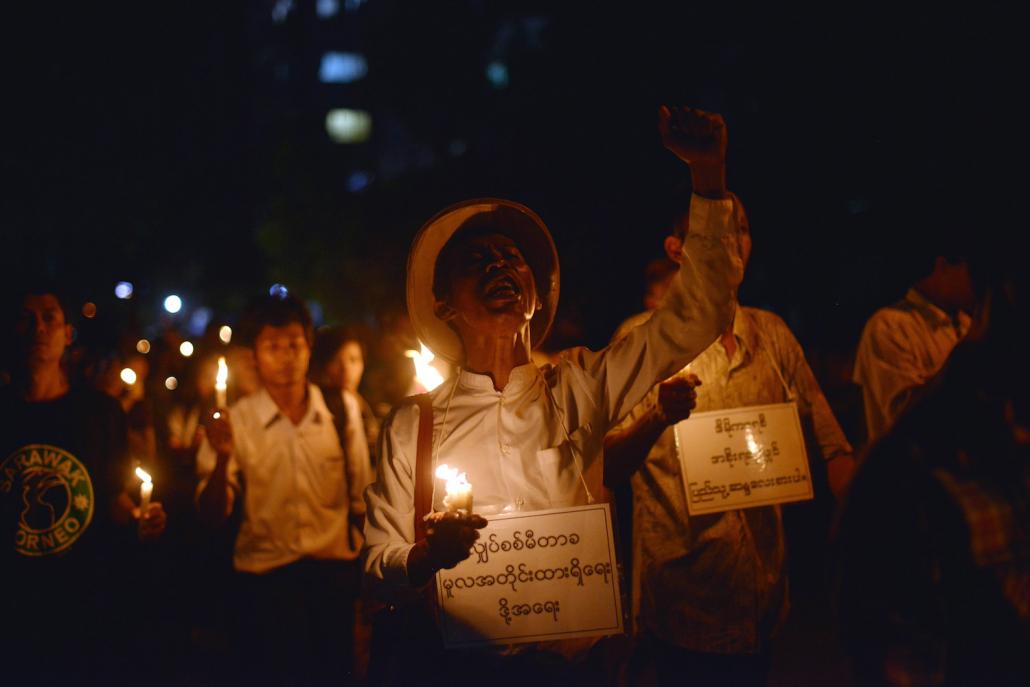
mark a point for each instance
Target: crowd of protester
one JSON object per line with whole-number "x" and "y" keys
{"x": 284, "y": 529}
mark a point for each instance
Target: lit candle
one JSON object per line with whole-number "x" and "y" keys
{"x": 427, "y": 376}
{"x": 221, "y": 380}
{"x": 459, "y": 491}
{"x": 146, "y": 488}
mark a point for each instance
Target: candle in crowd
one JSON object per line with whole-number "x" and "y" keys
{"x": 146, "y": 488}
{"x": 221, "y": 383}
{"x": 459, "y": 491}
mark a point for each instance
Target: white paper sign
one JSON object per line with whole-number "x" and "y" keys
{"x": 533, "y": 577}
{"x": 743, "y": 457}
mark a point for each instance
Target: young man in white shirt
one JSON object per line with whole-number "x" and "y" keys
{"x": 296, "y": 551}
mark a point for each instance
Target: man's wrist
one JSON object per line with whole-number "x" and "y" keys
{"x": 420, "y": 564}
{"x": 709, "y": 181}
{"x": 659, "y": 420}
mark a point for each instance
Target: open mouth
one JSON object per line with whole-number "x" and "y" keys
{"x": 502, "y": 286}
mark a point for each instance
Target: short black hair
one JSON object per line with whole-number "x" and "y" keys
{"x": 328, "y": 342}
{"x": 14, "y": 300}
{"x": 275, "y": 311}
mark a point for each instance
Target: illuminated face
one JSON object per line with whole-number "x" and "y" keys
{"x": 492, "y": 291}
{"x": 352, "y": 364}
{"x": 41, "y": 329}
{"x": 282, "y": 355}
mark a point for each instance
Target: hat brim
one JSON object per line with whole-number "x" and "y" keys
{"x": 514, "y": 220}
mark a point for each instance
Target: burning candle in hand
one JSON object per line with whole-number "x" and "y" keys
{"x": 221, "y": 380}
{"x": 146, "y": 488}
{"x": 459, "y": 491}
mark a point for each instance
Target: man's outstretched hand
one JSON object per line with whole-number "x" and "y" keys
{"x": 699, "y": 139}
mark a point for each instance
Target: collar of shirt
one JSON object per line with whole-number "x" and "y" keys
{"x": 747, "y": 338}
{"x": 521, "y": 377}
{"x": 268, "y": 413}
{"x": 935, "y": 316}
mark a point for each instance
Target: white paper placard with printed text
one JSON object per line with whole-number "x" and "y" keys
{"x": 537, "y": 576}
{"x": 743, "y": 457}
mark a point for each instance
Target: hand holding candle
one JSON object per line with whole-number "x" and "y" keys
{"x": 221, "y": 383}
{"x": 458, "y": 498}
{"x": 146, "y": 488}
{"x": 152, "y": 517}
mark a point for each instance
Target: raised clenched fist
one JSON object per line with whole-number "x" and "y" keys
{"x": 694, "y": 136}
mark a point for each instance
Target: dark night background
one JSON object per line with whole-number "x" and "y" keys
{"x": 183, "y": 147}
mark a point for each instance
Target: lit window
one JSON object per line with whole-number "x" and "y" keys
{"x": 359, "y": 181}
{"x": 348, "y": 126}
{"x": 327, "y": 8}
{"x": 198, "y": 321}
{"x": 281, "y": 9}
{"x": 497, "y": 74}
{"x": 342, "y": 67}
{"x": 457, "y": 147}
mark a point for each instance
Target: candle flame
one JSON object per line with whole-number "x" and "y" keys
{"x": 451, "y": 475}
{"x": 425, "y": 374}
{"x": 143, "y": 475}
{"x": 459, "y": 491}
{"x": 223, "y": 374}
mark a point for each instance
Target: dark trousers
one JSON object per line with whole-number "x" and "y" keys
{"x": 297, "y": 623}
{"x": 675, "y": 666}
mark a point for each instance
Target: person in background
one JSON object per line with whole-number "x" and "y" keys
{"x": 194, "y": 400}
{"x": 67, "y": 522}
{"x": 934, "y": 565}
{"x": 905, "y": 344}
{"x": 338, "y": 361}
{"x": 712, "y": 589}
{"x": 124, "y": 378}
{"x": 278, "y": 454}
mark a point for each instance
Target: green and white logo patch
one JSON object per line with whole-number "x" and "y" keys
{"x": 56, "y": 498}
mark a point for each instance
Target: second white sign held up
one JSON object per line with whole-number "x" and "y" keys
{"x": 743, "y": 457}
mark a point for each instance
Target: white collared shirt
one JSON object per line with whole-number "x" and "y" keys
{"x": 526, "y": 447}
{"x": 902, "y": 347}
{"x": 298, "y": 490}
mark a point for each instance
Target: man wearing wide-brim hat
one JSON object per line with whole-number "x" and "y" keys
{"x": 483, "y": 284}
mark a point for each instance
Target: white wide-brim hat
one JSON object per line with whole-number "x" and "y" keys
{"x": 511, "y": 219}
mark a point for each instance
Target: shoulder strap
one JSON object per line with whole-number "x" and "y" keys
{"x": 423, "y": 465}
{"x": 334, "y": 402}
